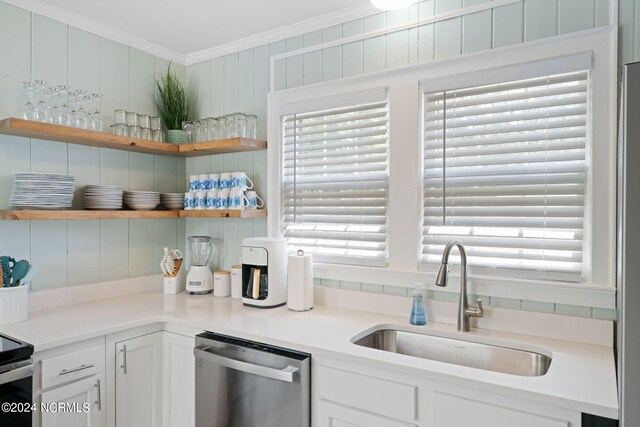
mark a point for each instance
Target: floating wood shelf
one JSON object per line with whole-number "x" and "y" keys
{"x": 43, "y": 215}
{"x": 255, "y": 213}
{"x": 46, "y": 131}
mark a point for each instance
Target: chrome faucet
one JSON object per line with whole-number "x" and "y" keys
{"x": 465, "y": 311}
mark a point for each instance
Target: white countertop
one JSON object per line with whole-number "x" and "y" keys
{"x": 581, "y": 377}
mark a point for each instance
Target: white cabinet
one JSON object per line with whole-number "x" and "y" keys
{"x": 348, "y": 394}
{"x": 178, "y": 408}
{"x": 77, "y": 404}
{"x": 138, "y": 391}
{"x": 330, "y": 415}
{"x": 69, "y": 387}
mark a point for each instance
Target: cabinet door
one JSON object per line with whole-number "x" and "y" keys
{"x": 178, "y": 381}
{"x": 455, "y": 411}
{"x": 139, "y": 381}
{"x": 77, "y": 404}
{"x": 330, "y": 415}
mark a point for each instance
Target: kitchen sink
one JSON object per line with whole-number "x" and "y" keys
{"x": 490, "y": 357}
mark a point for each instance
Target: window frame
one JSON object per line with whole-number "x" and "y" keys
{"x": 405, "y": 157}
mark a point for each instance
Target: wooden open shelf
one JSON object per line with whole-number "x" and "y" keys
{"x": 42, "y": 215}
{"x": 46, "y": 131}
{"x": 232, "y": 213}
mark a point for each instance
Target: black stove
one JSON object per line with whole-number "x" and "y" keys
{"x": 16, "y": 382}
{"x": 12, "y": 350}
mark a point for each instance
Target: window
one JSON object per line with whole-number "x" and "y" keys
{"x": 512, "y": 152}
{"x": 335, "y": 183}
{"x": 505, "y": 172}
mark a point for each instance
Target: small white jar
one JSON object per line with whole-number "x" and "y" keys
{"x": 222, "y": 283}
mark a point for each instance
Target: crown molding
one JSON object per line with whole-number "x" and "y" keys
{"x": 282, "y": 33}
{"x": 75, "y": 20}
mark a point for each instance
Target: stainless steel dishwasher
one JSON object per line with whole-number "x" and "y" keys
{"x": 245, "y": 384}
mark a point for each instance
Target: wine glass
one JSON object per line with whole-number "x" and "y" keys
{"x": 64, "y": 112}
{"x": 97, "y": 123}
{"x": 27, "y": 111}
{"x": 41, "y": 111}
{"x": 51, "y": 98}
{"x": 80, "y": 114}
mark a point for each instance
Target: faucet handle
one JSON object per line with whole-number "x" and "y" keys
{"x": 479, "y": 310}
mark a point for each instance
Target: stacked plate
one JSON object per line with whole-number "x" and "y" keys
{"x": 142, "y": 200}
{"x": 102, "y": 197}
{"x": 173, "y": 201}
{"x": 42, "y": 191}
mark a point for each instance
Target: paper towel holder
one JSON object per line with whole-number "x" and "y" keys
{"x": 300, "y": 281}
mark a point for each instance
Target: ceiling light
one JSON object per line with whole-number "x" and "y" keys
{"x": 392, "y": 4}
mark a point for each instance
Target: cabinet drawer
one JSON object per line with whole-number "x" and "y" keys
{"x": 373, "y": 394}
{"x": 330, "y": 415}
{"x": 72, "y": 366}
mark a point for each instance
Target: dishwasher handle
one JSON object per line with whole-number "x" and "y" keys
{"x": 288, "y": 374}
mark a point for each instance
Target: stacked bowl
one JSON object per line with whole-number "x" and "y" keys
{"x": 142, "y": 200}
{"x": 102, "y": 197}
{"x": 172, "y": 201}
{"x": 42, "y": 191}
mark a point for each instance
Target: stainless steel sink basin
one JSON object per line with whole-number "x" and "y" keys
{"x": 489, "y": 357}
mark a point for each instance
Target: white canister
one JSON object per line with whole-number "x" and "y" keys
{"x": 222, "y": 283}
{"x": 236, "y": 281}
{"x": 300, "y": 282}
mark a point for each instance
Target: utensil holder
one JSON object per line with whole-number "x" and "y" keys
{"x": 176, "y": 284}
{"x": 14, "y": 304}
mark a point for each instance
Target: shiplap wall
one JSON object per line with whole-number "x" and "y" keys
{"x": 239, "y": 81}
{"x": 76, "y": 252}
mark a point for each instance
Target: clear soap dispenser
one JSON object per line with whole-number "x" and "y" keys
{"x": 418, "y": 313}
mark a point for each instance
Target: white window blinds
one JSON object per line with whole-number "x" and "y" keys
{"x": 505, "y": 173}
{"x": 336, "y": 183}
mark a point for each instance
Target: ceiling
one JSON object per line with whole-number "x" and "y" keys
{"x": 190, "y": 26}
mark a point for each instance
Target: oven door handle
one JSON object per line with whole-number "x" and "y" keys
{"x": 16, "y": 374}
{"x": 288, "y": 374}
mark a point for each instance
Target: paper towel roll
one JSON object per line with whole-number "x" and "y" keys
{"x": 300, "y": 282}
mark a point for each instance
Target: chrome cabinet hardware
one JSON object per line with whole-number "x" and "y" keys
{"x": 79, "y": 368}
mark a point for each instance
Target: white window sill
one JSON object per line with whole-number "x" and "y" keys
{"x": 582, "y": 294}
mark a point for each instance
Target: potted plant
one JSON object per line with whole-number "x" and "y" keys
{"x": 174, "y": 105}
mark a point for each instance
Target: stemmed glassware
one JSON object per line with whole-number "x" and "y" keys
{"x": 27, "y": 110}
{"x": 64, "y": 112}
{"x": 97, "y": 123}
{"x": 61, "y": 105}
{"x": 41, "y": 110}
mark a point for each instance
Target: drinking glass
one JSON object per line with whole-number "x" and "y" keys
{"x": 187, "y": 128}
{"x": 212, "y": 125}
{"x": 97, "y": 121}
{"x": 64, "y": 112}
{"x": 27, "y": 111}
{"x": 41, "y": 110}
{"x": 196, "y": 131}
{"x": 252, "y": 124}
{"x": 81, "y": 116}
{"x": 156, "y": 123}
{"x": 133, "y": 119}
{"x": 146, "y": 133}
{"x": 222, "y": 124}
{"x": 144, "y": 121}
{"x": 51, "y": 99}
{"x": 158, "y": 135}
{"x": 134, "y": 131}
{"x": 119, "y": 116}
{"x": 238, "y": 124}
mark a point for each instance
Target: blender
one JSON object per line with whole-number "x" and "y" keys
{"x": 199, "y": 278}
